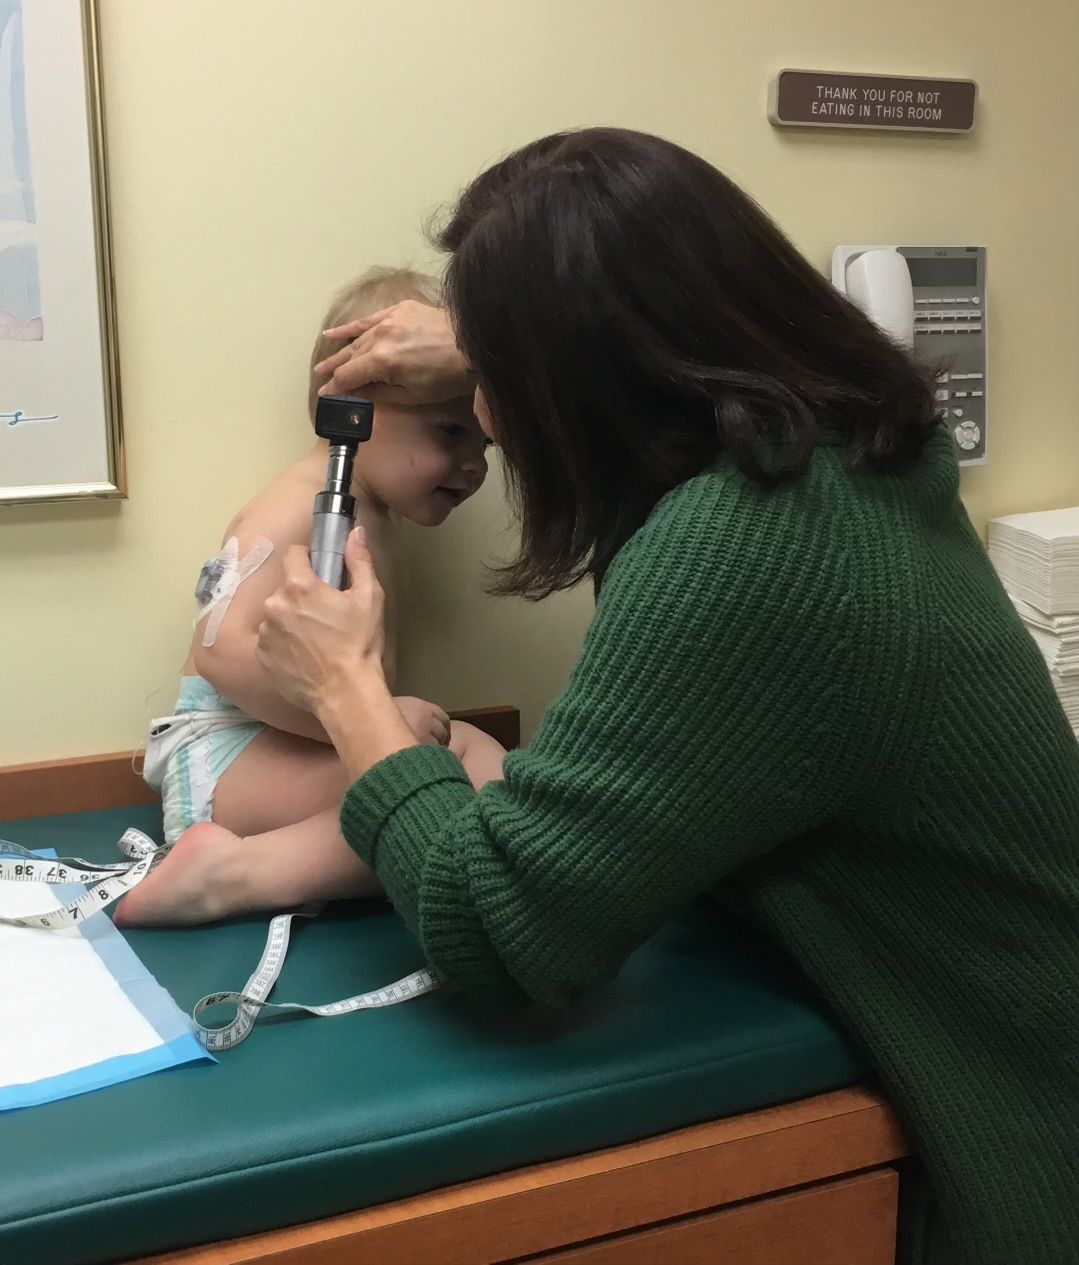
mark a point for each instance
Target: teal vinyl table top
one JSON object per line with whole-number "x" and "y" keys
{"x": 314, "y": 1117}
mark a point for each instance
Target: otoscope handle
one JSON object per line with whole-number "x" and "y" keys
{"x": 346, "y": 421}
{"x": 335, "y": 516}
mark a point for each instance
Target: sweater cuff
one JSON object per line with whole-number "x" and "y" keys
{"x": 371, "y": 801}
{"x": 396, "y": 818}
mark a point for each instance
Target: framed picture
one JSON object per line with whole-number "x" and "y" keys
{"x": 60, "y": 431}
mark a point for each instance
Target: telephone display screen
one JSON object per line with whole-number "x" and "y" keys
{"x": 943, "y": 272}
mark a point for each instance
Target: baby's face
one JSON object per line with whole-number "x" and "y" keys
{"x": 422, "y": 461}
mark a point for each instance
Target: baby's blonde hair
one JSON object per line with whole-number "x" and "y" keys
{"x": 376, "y": 289}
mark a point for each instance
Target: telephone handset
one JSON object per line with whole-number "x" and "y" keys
{"x": 878, "y": 281}
{"x": 931, "y": 301}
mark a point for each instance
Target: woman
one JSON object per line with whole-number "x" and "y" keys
{"x": 803, "y": 691}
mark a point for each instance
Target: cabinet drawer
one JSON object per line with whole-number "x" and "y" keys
{"x": 850, "y": 1222}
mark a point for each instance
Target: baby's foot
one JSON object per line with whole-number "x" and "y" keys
{"x": 199, "y": 881}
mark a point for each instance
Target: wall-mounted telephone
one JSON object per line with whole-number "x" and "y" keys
{"x": 931, "y": 300}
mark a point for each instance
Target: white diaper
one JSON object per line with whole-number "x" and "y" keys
{"x": 187, "y": 753}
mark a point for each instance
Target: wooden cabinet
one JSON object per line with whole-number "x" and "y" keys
{"x": 807, "y": 1183}
{"x": 849, "y": 1222}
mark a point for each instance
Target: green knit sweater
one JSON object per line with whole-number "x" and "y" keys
{"x": 818, "y": 703}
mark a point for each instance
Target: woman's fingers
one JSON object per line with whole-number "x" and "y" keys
{"x": 362, "y": 342}
{"x": 314, "y": 639}
{"x": 359, "y": 375}
{"x": 407, "y": 352}
{"x": 360, "y": 325}
{"x": 364, "y": 587}
{"x": 358, "y": 364}
{"x": 299, "y": 577}
{"x": 299, "y": 581}
{"x": 338, "y": 358}
{"x": 357, "y": 554}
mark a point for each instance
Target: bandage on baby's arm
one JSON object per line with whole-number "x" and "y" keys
{"x": 221, "y": 577}
{"x": 226, "y": 653}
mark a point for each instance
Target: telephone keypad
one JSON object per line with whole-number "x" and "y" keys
{"x": 949, "y": 326}
{"x": 968, "y": 435}
{"x": 955, "y": 326}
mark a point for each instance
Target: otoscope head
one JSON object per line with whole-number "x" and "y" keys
{"x": 344, "y": 419}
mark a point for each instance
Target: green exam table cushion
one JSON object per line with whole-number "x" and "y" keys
{"x": 313, "y": 1117}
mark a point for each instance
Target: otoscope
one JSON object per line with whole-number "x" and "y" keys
{"x": 346, "y": 422}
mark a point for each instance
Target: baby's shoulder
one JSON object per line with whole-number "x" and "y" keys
{"x": 280, "y": 512}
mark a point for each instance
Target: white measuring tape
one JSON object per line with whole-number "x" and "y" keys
{"x": 107, "y": 883}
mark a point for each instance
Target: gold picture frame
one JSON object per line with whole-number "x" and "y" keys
{"x": 81, "y": 458}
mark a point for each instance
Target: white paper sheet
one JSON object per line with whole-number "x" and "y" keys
{"x": 77, "y": 1008}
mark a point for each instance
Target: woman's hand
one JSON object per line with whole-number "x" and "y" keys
{"x": 406, "y": 353}
{"x": 313, "y": 640}
{"x": 323, "y": 651}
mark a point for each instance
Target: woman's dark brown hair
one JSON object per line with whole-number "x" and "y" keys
{"x": 630, "y": 314}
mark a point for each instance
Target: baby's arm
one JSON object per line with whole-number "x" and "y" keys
{"x": 281, "y": 514}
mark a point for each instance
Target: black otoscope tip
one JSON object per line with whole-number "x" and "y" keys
{"x": 344, "y": 419}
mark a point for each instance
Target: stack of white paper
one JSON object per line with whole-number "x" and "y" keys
{"x": 1037, "y": 558}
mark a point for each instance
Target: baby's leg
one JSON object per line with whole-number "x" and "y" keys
{"x": 307, "y": 860}
{"x": 212, "y": 873}
{"x": 480, "y": 754}
{"x": 278, "y": 780}
{"x": 240, "y": 863}
{"x": 274, "y": 842}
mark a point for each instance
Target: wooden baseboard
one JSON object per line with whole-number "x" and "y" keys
{"x": 88, "y": 783}
{"x": 80, "y": 785}
{"x": 502, "y": 723}
{"x": 550, "y": 1207}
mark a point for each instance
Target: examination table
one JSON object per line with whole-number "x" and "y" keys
{"x": 702, "y": 1108}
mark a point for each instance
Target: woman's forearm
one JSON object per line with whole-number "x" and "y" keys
{"x": 364, "y": 724}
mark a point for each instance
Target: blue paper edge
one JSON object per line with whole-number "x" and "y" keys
{"x": 123, "y": 1067}
{"x": 155, "y": 1004}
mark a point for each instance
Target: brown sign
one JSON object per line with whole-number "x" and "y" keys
{"x": 821, "y": 98}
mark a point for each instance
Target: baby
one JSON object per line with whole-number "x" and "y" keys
{"x": 236, "y": 760}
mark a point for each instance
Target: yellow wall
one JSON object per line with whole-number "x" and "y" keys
{"x": 264, "y": 150}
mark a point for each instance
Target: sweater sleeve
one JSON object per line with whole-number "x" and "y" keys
{"x": 706, "y": 722}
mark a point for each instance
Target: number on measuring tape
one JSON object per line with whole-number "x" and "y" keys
{"x": 107, "y": 883}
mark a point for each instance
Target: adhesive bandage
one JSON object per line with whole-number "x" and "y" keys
{"x": 221, "y": 577}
